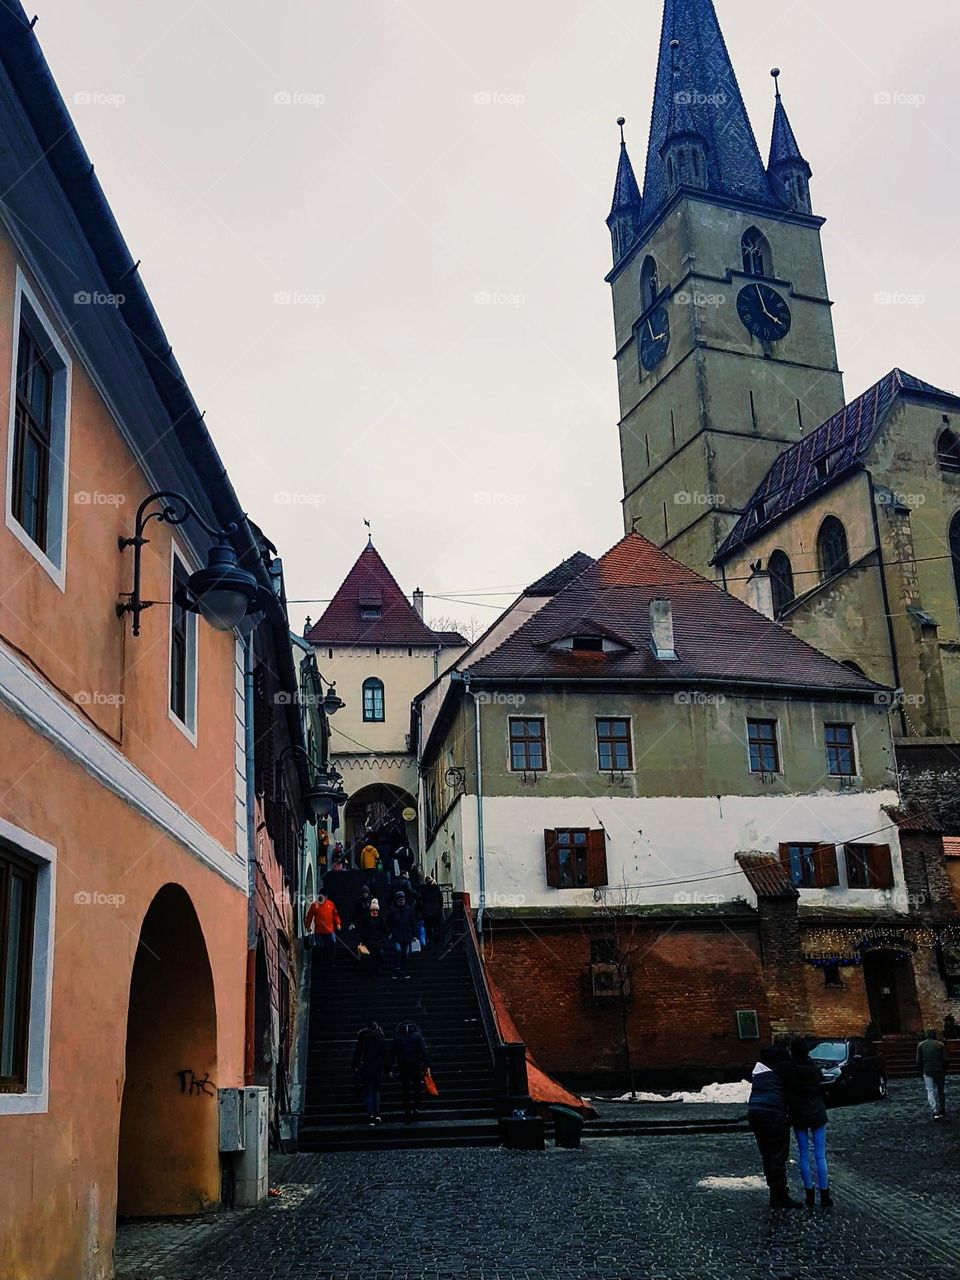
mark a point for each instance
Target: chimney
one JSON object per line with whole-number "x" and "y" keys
{"x": 760, "y": 590}
{"x": 661, "y": 630}
{"x": 418, "y": 601}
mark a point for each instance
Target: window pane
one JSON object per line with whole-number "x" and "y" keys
{"x": 535, "y": 755}
{"x": 11, "y": 968}
{"x": 619, "y": 728}
{"x": 518, "y": 755}
{"x": 606, "y": 755}
{"x": 579, "y": 837}
{"x": 40, "y": 393}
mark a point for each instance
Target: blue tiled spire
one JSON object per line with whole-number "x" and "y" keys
{"x": 626, "y": 211}
{"x": 789, "y": 172}
{"x": 711, "y": 107}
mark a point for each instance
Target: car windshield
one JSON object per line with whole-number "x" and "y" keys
{"x": 829, "y": 1051}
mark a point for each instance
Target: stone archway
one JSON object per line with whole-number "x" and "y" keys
{"x": 380, "y": 806}
{"x": 168, "y": 1161}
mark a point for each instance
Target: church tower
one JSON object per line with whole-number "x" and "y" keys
{"x": 724, "y": 339}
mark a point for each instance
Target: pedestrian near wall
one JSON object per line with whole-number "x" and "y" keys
{"x": 411, "y": 1059}
{"x": 932, "y": 1062}
{"x": 371, "y": 1058}
{"x": 324, "y": 919}
{"x": 769, "y": 1118}
{"x": 808, "y": 1115}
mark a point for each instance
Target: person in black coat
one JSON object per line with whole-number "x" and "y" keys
{"x": 411, "y": 1060}
{"x": 401, "y": 926}
{"x": 431, "y": 905}
{"x": 374, "y": 937}
{"x": 371, "y": 1058}
{"x": 808, "y": 1115}
{"x": 768, "y": 1114}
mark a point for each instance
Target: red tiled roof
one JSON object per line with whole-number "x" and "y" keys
{"x": 951, "y": 846}
{"x": 561, "y": 576}
{"x": 768, "y": 878}
{"x": 717, "y": 637}
{"x": 913, "y": 818}
{"x": 371, "y": 582}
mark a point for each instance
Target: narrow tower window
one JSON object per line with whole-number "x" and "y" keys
{"x": 649, "y": 283}
{"x": 781, "y": 581}
{"x": 757, "y": 258}
{"x": 832, "y": 550}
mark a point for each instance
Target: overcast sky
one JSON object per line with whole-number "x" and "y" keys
{"x": 374, "y": 232}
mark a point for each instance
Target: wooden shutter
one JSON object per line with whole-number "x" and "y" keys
{"x": 596, "y": 857}
{"x": 825, "y": 865}
{"x": 881, "y": 866}
{"x": 552, "y": 858}
{"x": 785, "y": 857}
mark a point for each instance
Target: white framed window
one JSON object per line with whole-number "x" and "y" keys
{"x": 38, "y": 435}
{"x": 183, "y": 651}
{"x": 27, "y": 896}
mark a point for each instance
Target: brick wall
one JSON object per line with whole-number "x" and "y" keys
{"x": 784, "y": 969}
{"x": 688, "y": 983}
{"x": 837, "y": 1011}
{"x": 930, "y": 779}
{"x": 925, "y": 871}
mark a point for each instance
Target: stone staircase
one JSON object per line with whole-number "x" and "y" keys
{"x": 442, "y": 999}
{"x": 900, "y": 1053}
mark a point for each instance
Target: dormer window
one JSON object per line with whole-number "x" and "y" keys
{"x": 587, "y": 644}
{"x": 370, "y": 612}
{"x": 371, "y": 604}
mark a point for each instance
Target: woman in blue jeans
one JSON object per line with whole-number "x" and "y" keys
{"x": 808, "y": 1115}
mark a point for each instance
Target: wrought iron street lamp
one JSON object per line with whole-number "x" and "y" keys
{"x": 223, "y": 592}
{"x": 324, "y": 791}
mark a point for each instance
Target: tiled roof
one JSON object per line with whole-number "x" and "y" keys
{"x": 715, "y": 110}
{"x": 951, "y": 846}
{"x": 717, "y": 637}
{"x": 823, "y": 457}
{"x": 768, "y": 877}
{"x": 559, "y": 577}
{"x": 783, "y": 142}
{"x": 626, "y": 193}
{"x": 371, "y": 582}
{"x": 914, "y": 819}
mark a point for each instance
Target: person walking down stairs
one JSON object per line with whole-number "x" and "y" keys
{"x": 411, "y": 1059}
{"x": 324, "y": 919}
{"x": 371, "y": 1058}
{"x": 374, "y": 939}
{"x": 402, "y": 929}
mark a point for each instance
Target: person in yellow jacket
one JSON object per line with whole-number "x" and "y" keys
{"x": 369, "y": 860}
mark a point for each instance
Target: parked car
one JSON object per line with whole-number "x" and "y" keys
{"x": 853, "y": 1070}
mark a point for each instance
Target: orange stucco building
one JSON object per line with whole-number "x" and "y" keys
{"x": 124, "y": 925}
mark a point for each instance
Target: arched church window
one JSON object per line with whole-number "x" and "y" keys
{"x": 781, "y": 581}
{"x": 757, "y": 258}
{"x": 955, "y": 552}
{"x": 649, "y": 283}
{"x": 670, "y": 178}
{"x": 832, "y": 551}
{"x": 373, "y": 708}
{"x": 948, "y": 451}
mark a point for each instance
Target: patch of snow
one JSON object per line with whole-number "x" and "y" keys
{"x": 734, "y": 1091}
{"x": 750, "y": 1183}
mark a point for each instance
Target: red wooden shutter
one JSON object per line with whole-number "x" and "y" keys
{"x": 825, "y": 865}
{"x": 552, "y": 858}
{"x": 596, "y": 857}
{"x": 785, "y": 857}
{"x": 881, "y": 866}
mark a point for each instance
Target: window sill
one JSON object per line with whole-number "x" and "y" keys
{"x": 52, "y": 569}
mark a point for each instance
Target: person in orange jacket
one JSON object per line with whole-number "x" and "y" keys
{"x": 324, "y": 919}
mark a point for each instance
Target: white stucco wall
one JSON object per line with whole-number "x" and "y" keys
{"x": 657, "y": 839}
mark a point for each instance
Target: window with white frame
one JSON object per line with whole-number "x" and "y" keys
{"x": 183, "y": 651}
{"x": 39, "y": 433}
{"x": 26, "y": 966}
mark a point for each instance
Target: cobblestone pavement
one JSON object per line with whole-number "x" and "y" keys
{"x": 618, "y": 1208}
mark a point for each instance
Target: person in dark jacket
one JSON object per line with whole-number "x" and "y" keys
{"x": 431, "y": 905}
{"x": 401, "y": 926}
{"x": 374, "y": 939}
{"x": 769, "y": 1118}
{"x": 808, "y": 1115}
{"x": 361, "y": 908}
{"x": 932, "y": 1063}
{"x": 411, "y": 1060}
{"x": 371, "y": 1058}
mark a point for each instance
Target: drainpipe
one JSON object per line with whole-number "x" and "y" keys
{"x": 886, "y": 604}
{"x": 481, "y": 866}
{"x": 248, "y": 735}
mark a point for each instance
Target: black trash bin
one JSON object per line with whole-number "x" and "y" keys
{"x": 567, "y": 1126}
{"x": 522, "y": 1132}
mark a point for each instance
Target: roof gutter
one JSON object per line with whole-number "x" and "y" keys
{"x": 27, "y": 69}
{"x": 679, "y": 682}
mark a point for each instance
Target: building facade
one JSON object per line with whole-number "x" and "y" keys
{"x": 602, "y": 784}
{"x": 372, "y": 643}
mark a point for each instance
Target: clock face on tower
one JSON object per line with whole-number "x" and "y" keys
{"x": 654, "y": 337}
{"x": 764, "y": 312}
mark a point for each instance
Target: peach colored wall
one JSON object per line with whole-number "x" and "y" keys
{"x": 75, "y": 639}
{"x": 62, "y": 1203}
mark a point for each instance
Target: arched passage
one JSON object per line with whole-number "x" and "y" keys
{"x": 379, "y": 808}
{"x": 168, "y": 1157}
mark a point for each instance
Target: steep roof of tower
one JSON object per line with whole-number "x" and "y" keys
{"x": 784, "y": 148}
{"x": 371, "y": 608}
{"x": 823, "y": 457}
{"x": 713, "y": 106}
{"x": 717, "y": 637}
{"x": 626, "y": 192}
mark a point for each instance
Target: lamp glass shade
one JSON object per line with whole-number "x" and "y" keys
{"x": 223, "y": 591}
{"x": 223, "y": 607}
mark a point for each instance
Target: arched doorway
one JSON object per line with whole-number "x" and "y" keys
{"x": 168, "y": 1155}
{"x": 379, "y": 808}
{"x": 891, "y": 990}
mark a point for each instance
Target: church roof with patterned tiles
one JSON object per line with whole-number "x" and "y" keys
{"x": 718, "y": 638}
{"x": 823, "y": 457}
{"x": 715, "y": 109}
{"x": 372, "y": 582}
{"x": 561, "y": 576}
